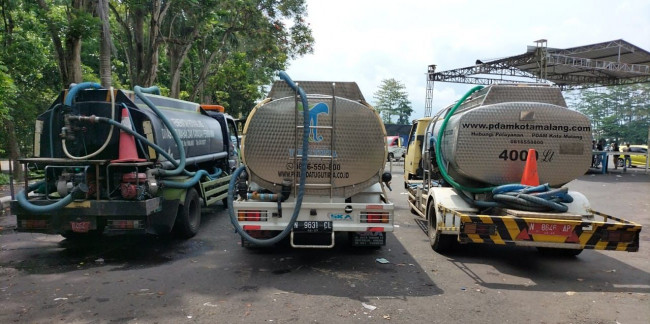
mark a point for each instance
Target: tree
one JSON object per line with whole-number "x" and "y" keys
{"x": 392, "y": 100}
{"x": 29, "y": 76}
{"x": 211, "y": 51}
{"x": 618, "y": 113}
{"x": 140, "y": 41}
{"x": 77, "y": 23}
{"x": 268, "y": 32}
{"x": 105, "y": 44}
{"x": 7, "y": 95}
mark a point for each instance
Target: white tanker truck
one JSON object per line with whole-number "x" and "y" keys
{"x": 475, "y": 153}
{"x": 313, "y": 165}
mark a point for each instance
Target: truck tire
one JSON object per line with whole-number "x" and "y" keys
{"x": 439, "y": 242}
{"x": 390, "y": 157}
{"x": 188, "y": 218}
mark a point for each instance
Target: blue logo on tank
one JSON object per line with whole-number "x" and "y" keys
{"x": 318, "y": 109}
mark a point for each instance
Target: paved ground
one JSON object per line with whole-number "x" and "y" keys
{"x": 212, "y": 279}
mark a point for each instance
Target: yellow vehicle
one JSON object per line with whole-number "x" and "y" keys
{"x": 635, "y": 159}
{"x": 412, "y": 165}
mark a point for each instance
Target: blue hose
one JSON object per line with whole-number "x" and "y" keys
{"x": 41, "y": 209}
{"x": 181, "y": 150}
{"x": 303, "y": 177}
{"x": 187, "y": 184}
{"x": 81, "y": 86}
{"x": 537, "y": 198}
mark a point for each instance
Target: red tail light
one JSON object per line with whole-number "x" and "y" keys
{"x": 34, "y": 224}
{"x": 479, "y": 228}
{"x": 618, "y": 236}
{"x": 125, "y": 224}
{"x": 375, "y": 217}
{"x": 252, "y": 215}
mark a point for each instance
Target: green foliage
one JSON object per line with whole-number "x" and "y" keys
{"x": 392, "y": 100}
{"x": 620, "y": 113}
{"x": 4, "y": 179}
{"x": 7, "y": 92}
{"x": 238, "y": 48}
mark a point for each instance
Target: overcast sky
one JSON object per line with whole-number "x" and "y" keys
{"x": 369, "y": 41}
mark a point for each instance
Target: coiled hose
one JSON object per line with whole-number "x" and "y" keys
{"x": 303, "y": 176}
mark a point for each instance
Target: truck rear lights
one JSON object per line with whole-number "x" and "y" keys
{"x": 34, "y": 224}
{"x": 122, "y": 224}
{"x": 374, "y": 217}
{"x": 252, "y": 216}
{"x": 618, "y": 236}
{"x": 479, "y": 228}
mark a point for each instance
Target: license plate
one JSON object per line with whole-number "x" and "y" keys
{"x": 80, "y": 227}
{"x": 550, "y": 229}
{"x": 312, "y": 227}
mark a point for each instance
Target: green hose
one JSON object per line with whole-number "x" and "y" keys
{"x": 441, "y": 167}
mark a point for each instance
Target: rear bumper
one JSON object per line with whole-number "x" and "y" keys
{"x": 345, "y": 217}
{"x": 155, "y": 216}
{"x": 600, "y": 232}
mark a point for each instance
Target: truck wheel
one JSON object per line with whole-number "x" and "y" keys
{"x": 439, "y": 243}
{"x": 188, "y": 218}
{"x": 390, "y": 156}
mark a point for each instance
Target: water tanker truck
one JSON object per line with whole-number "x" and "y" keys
{"x": 494, "y": 169}
{"x": 119, "y": 162}
{"x": 313, "y": 165}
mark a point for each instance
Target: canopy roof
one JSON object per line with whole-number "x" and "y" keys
{"x": 604, "y": 64}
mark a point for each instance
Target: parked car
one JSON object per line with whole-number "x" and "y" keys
{"x": 395, "y": 149}
{"x": 636, "y": 160}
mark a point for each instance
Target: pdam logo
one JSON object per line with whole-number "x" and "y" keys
{"x": 318, "y": 109}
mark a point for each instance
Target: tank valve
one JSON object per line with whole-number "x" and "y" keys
{"x": 151, "y": 182}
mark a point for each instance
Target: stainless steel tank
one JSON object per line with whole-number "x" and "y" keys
{"x": 487, "y": 140}
{"x": 347, "y": 151}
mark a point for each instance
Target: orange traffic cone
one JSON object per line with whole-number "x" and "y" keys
{"x": 128, "y": 153}
{"x": 530, "y": 176}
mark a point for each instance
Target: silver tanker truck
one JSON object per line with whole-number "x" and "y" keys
{"x": 313, "y": 166}
{"x": 477, "y": 151}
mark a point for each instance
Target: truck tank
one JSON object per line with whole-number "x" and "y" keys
{"x": 489, "y": 135}
{"x": 201, "y": 135}
{"x": 347, "y": 151}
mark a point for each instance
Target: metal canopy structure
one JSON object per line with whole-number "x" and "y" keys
{"x": 604, "y": 64}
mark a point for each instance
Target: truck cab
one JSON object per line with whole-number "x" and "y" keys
{"x": 412, "y": 164}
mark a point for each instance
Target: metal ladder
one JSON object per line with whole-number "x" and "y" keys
{"x": 298, "y": 143}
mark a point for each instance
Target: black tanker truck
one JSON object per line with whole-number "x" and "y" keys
{"x": 116, "y": 161}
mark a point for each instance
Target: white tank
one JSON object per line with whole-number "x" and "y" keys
{"x": 487, "y": 139}
{"x": 347, "y": 150}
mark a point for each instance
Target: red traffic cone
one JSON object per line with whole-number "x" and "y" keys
{"x": 530, "y": 176}
{"x": 128, "y": 153}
